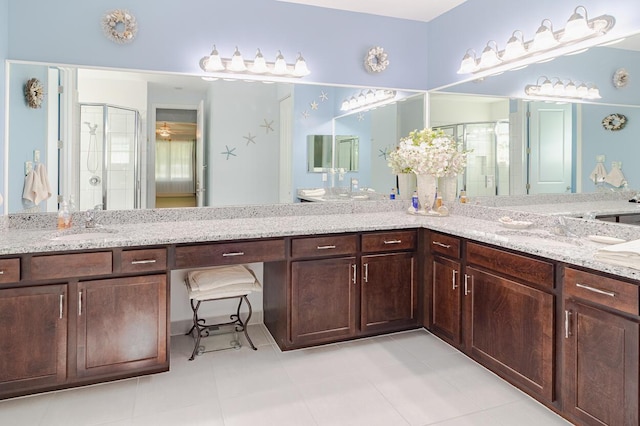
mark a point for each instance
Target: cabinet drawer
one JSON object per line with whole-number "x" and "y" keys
{"x": 389, "y": 241}
{"x": 71, "y": 265}
{"x": 229, "y": 253}
{"x": 444, "y": 244}
{"x": 9, "y": 270}
{"x": 324, "y": 246}
{"x": 143, "y": 260}
{"x": 616, "y": 294}
{"x": 524, "y": 268}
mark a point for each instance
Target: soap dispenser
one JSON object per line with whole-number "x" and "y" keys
{"x": 64, "y": 217}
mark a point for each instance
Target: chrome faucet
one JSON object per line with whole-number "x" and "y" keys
{"x": 89, "y": 216}
{"x": 563, "y": 229}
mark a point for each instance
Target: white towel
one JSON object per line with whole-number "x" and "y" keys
{"x": 31, "y": 183}
{"x": 221, "y": 276}
{"x": 231, "y": 290}
{"x": 1, "y": 200}
{"x": 599, "y": 173}
{"x": 44, "y": 189}
{"x": 623, "y": 254}
{"x": 615, "y": 177}
{"x": 312, "y": 192}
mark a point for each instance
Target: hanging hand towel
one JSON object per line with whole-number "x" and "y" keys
{"x": 31, "y": 182}
{"x": 599, "y": 173}
{"x": 44, "y": 189}
{"x": 615, "y": 177}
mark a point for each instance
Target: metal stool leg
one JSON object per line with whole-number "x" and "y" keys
{"x": 196, "y": 328}
{"x": 244, "y": 327}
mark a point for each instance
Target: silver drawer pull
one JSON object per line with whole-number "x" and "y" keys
{"x": 61, "y": 305}
{"x": 441, "y": 245}
{"x": 596, "y": 290}
{"x": 141, "y": 262}
{"x": 393, "y": 242}
{"x": 567, "y": 324}
{"x": 237, "y": 253}
{"x": 1, "y": 272}
{"x": 325, "y": 247}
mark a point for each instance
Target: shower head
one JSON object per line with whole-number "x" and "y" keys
{"x": 92, "y": 128}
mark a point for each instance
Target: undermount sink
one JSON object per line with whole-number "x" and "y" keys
{"x": 543, "y": 236}
{"x": 84, "y": 234}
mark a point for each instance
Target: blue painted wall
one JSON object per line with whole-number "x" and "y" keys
{"x": 173, "y": 36}
{"x": 27, "y": 128}
{"x": 4, "y": 48}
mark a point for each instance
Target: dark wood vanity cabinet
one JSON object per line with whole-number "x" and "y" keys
{"x": 601, "y": 341}
{"x": 121, "y": 325}
{"x": 71, "y": 320}
{"x": 388, "y": 282}
{"x": 343, "y": 286}
{"x": 509, "y": 316}
{"x": 445, "y": 319}
{"x": 33, "y": 338}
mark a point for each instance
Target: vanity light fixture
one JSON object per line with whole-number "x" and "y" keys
{"x": 556, "y": 88}
{"x": 214, "y": 63}
{"x": 546, "y": 42}
{"x": 368, "y": 99}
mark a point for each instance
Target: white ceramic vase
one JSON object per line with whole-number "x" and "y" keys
{"x": 406, "y": 185}
{"x": 426, "y": 191}
{"x": 447, "y": 189}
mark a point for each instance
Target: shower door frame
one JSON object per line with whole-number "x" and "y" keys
{"x": 105, "y": 160}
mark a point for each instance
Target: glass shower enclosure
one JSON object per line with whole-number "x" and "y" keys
{"x": 109, "y": 172}
{"x": 487, "y": 171}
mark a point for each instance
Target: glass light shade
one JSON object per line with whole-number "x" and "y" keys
{"x": 345, "y": 105}
{"x": 468, "y": 64}
{"x": 300, "y": 69}
{"x": 544, "y": 38}
{"x": 489, "y": 57}
{"x": 214, "y": 63}
{"x": 577, "y": 26}
{"x": 280, "y": 67}
{"x": 558, "y": 89}
{"x": 259, "y": 64}
{"x": 380, "y": 95}
{"x": 594, "y": 93}
{"x": 370, "y": 96}
{"x": 546, "y": 88}
{"x": 570, "y": 89}
{"x": 237, "y": 62}
{"x": 582, "y": 91}
{"x": 514, "y": 48}
{"x": 353, "y": 102}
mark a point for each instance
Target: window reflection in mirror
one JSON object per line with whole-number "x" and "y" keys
{"x": 347, "y": 153}
{"x": 319, "y": 153}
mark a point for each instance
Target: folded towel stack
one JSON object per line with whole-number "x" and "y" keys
{"x": 623, "y": 254}
{"x": 312, "y": 192}
{"x": 220, "y": 282}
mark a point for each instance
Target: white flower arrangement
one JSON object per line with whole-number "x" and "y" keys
{"x": 429, "y": 152}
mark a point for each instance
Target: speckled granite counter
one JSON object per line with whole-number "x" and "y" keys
{"x": 36, "y": 233}
{"x": 473, "y": 222}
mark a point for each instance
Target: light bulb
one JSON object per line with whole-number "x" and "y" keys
{"x": 259, "y": 64}
{"x": 213, "y": 63}
{"x": 300, "y": 69}
{"x": 280, "y": 67}
{"x": 237, "y": 62}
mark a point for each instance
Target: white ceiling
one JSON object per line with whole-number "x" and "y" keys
{"x": 417, "y": 10}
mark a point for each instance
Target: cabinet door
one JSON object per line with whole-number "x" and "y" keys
{"x": 122, "y": 325}
{"x": 323, "y": 300}
{"x": 33, "y": 337}
{"x": 509, "y": 329}
{"x": 600, "y": 366}
{"x": 388, "y": 290}
{"x": 446, "y": 301}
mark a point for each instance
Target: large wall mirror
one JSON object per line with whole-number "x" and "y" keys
{"x": 117, "y": 139}
{"x": 525, "y": 146}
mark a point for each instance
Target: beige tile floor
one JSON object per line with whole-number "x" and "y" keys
{"x": 409, "y": 378}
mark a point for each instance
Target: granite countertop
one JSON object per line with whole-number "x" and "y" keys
{"x": 580, "y": 209}
{"x": 472, "y": 222}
